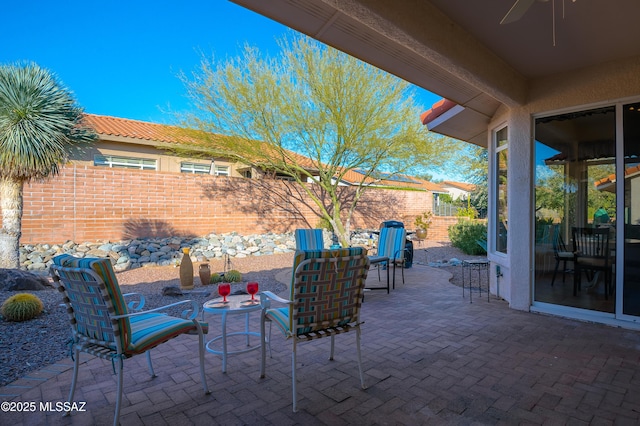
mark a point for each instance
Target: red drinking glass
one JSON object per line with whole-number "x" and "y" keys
{"x": 224, "y": 289}
{"x": 252, "y": 289}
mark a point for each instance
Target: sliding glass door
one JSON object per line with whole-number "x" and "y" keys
{"x": 587, "y": 241}
{"x": 575, "y": 201}
{"x": 631, "y": 248}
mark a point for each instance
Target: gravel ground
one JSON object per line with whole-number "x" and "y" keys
{"x": 31, "y": 345}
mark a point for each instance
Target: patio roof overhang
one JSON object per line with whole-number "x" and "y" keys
{"x": 450, "y": 119}
{"x": 459, "y": 50}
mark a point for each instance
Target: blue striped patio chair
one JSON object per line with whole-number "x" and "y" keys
{"x": 103, "y": 326}
{"x": 391, "y": 251}
{"x": 325, "y": 300}
{"x": 309, "y": 239}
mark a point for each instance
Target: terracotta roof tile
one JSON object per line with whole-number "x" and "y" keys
{"x": 135, "y": 129}
{"x": 469, "y": 187}
{"x": 439, "y": 108}
{"x": 630, "y": 171}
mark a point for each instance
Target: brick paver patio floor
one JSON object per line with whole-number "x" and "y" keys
{"x": 430, "y": 357}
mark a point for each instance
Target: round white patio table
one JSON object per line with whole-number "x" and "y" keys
{"x": 236, "y": 304}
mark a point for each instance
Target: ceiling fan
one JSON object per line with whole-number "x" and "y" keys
{"x": 518, "y": 10}
{"x": 520, "y": 7}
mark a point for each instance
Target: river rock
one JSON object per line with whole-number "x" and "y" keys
{"x": 143, "y": 252}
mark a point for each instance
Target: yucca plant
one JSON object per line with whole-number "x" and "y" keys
{"x": 39, "y": 123}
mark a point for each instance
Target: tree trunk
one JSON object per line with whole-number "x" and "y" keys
{"x": 11, "y": 208}
{"x": 342, "y": 232}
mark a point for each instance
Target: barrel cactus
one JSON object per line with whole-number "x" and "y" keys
{"x": 22, "y": 307}
{"x": 233, "y": 276}
{"x": 215, "y": 279}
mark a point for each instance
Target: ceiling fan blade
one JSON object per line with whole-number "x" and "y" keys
{"x": 516, "y": 12}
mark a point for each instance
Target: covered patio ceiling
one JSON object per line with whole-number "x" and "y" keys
{"x": 458, "y": 49}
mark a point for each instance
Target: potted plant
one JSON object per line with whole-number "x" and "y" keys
{"x": 422, "y": 223}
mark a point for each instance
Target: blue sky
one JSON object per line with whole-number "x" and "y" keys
{"x": 122, "y": 58}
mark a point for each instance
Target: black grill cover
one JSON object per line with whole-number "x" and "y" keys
{"x": 391, "y": 224}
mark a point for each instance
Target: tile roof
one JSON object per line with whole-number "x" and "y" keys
{"x": 437, "y": 109}
{"x": 632, "y": 171}
{"x": 135, "y": 129}
{"x": 124, "y": 127}
{"x": 469, "y": 187}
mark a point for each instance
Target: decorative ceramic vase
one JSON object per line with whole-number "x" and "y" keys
{"x": 205, "y": 273}
{"x": 421, "y": 234}
{"x": 186, "y": 271}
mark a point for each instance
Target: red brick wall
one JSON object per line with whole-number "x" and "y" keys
{"x": 87, "y": 203}
{"x": 439, "y": 229}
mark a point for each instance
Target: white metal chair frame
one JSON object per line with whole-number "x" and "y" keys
{"x": 322, "y": 287}
{"x": 81, "y": 283}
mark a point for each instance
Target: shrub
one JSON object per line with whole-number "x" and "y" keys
{"x": 233, "y": 276}
{"x": 22, "y": 307}
{"x": 465, "y": 235}
{"x": 423, "y": 221}
{"x": 469, "y": 212}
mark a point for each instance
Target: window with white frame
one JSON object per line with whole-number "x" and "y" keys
{"x": 197, "y": 168}
{"x": 222, "y": 170}
{"x": 500, "y": 168}
{"x": 124, "y": 162}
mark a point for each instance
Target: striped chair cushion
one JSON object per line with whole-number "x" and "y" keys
{"x": 102, "y": 267}
{"x": 391, "y": 243}
{"x": 283, "y": 317}
{"x": 280, "y": 316}
{"x": 309, "y": 239}
{"x": 149, "y": 330}
{"x": 139, "y": 332}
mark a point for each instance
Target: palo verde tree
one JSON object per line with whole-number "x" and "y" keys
{"x": 39, "y": 123}
{"x": 312, "y": 114}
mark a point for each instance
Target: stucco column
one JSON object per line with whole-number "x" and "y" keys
{"x": 520, "y": 178}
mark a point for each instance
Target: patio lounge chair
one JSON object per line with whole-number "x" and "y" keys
{"x": 391, "y": 251}
{"x": 325, "y": 300}
{"x": 102, "y": 325}
{"x": 309, "y": 239}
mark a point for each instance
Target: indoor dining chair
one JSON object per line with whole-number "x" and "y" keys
{"x": 592, "y": 254}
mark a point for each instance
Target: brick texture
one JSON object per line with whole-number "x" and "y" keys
{"x": 87, "y": 203}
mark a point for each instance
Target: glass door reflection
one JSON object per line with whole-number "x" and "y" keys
{"x": 574, "y": 188}
{"x": 631, "y": 281}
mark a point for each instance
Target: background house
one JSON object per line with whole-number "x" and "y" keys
{"x": 133, "y": 144}
{"x": 457, "y": 190}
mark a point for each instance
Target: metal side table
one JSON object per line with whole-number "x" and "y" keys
{"x": 236, "y": 304}
{"x": 475, "y": 265}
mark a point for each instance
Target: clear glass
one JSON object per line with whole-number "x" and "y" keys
{"x": 631, "y": 286}
{"x": 501, "y": 167}
{"x": 575, "y": 187}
